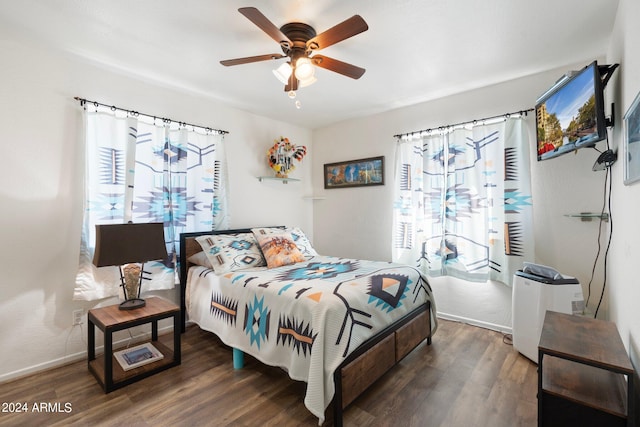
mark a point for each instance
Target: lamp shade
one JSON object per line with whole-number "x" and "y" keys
{"x": 283, "y": 72}
{"x": 119, "y": 244}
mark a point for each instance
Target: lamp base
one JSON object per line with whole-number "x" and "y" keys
{"x": 132, "y": 304}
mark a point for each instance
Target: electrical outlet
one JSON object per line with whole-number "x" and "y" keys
{"x": 77, "y": 317}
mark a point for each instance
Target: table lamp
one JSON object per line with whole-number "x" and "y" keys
{"x": 127, "y": 245}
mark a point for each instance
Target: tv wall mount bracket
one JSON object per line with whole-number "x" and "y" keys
{"x": 606, "y": 71}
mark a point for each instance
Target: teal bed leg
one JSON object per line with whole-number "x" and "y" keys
{"x": 238, "y": 359}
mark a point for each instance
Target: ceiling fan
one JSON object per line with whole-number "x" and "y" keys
{"x": 299, "y": 42}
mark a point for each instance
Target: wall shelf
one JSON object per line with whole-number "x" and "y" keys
{"x": 275, "y": 178}
{"x": 588, "y": 216}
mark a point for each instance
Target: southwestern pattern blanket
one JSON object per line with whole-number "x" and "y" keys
{"x": 305, "y": 317}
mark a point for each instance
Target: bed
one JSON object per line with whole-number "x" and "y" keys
{"x": 337, "y": 324}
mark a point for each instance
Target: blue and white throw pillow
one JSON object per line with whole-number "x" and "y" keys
{"x": 231, "y": 252}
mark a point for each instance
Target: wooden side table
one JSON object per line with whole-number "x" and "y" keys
{"x": 110, "y": 319}
{"x": 585, "y": 377}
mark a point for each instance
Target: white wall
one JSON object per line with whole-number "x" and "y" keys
{"x": 42, "y": 184}
{"x": 623, "y": 283}
{"x": 357, "y": 222}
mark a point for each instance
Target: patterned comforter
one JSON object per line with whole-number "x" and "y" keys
{"x": 305, "y": 317}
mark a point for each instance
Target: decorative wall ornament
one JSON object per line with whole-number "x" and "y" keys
{"x": 282, "y": 154}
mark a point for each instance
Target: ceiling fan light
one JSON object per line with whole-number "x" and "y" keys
{"x": 304, "y": 69}
{"x": 283, "y": 72}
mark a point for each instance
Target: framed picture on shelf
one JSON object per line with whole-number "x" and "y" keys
{"x": 139, "y": 355}
{"x": 632, "y": 142}
{"x": 354, "y": 173}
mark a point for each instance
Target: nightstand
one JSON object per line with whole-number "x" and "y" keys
{"x": 110, "y": 319}
{"x": 585, "y": 377}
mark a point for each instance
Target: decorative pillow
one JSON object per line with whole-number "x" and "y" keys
{"x": 200, "y": 259}
{"x": 230, "y": 252}
{"x": 298, "y": 236}
{"x": 279, "y": 249}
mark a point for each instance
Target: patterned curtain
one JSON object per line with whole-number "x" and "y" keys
{"x": 462, "y": 202}
{"x": 141, "y": 171}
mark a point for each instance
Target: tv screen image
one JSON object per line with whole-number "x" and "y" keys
{"x": 571, "y": 114}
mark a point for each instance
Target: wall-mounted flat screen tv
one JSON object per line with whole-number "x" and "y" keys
{"x": 570, "y": 115}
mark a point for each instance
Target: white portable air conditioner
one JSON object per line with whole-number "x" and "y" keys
{"x": 537, "y": 289}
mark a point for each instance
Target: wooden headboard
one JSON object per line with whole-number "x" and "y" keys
{"x": 189, "y": 246}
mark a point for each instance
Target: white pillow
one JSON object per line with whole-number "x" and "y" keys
{"x": 200, "y": 259}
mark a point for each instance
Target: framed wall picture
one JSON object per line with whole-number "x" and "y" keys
{"x": 632, "y": 142}
{"x": 354, "y": 173}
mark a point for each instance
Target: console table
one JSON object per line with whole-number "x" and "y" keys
{"x": 585, "y": 377}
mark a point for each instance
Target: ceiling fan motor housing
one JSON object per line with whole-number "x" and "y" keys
{"x": 299, "y": 33}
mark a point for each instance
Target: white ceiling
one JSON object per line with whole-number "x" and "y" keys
{"x": 414, "y": 50}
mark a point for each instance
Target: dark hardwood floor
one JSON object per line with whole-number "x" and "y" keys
{"x": 467, "y": 377}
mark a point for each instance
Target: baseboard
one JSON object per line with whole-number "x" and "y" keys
{"x": 25, "y": 372}
{"x": 72, "y": 358}
{"x": 500, "y": 328}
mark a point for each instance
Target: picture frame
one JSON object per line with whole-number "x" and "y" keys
{"x": 632, "y": 142}
{"x": 354, "y": 173}
{"x": 140, "y": 355}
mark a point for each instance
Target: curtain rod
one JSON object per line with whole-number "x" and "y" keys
{"x": 506, "y": 116}
{"x": 136, "y": 114}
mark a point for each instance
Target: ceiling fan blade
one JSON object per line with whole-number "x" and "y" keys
{"x": 249, "y": 59}
{"x": 292, "y": 84}
{"x": 338, "y": 66}
{"x": 344, "y": 30}
{"x": 255, "y": 16}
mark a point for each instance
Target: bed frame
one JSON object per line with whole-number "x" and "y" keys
{"x": 364, "y": 365}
